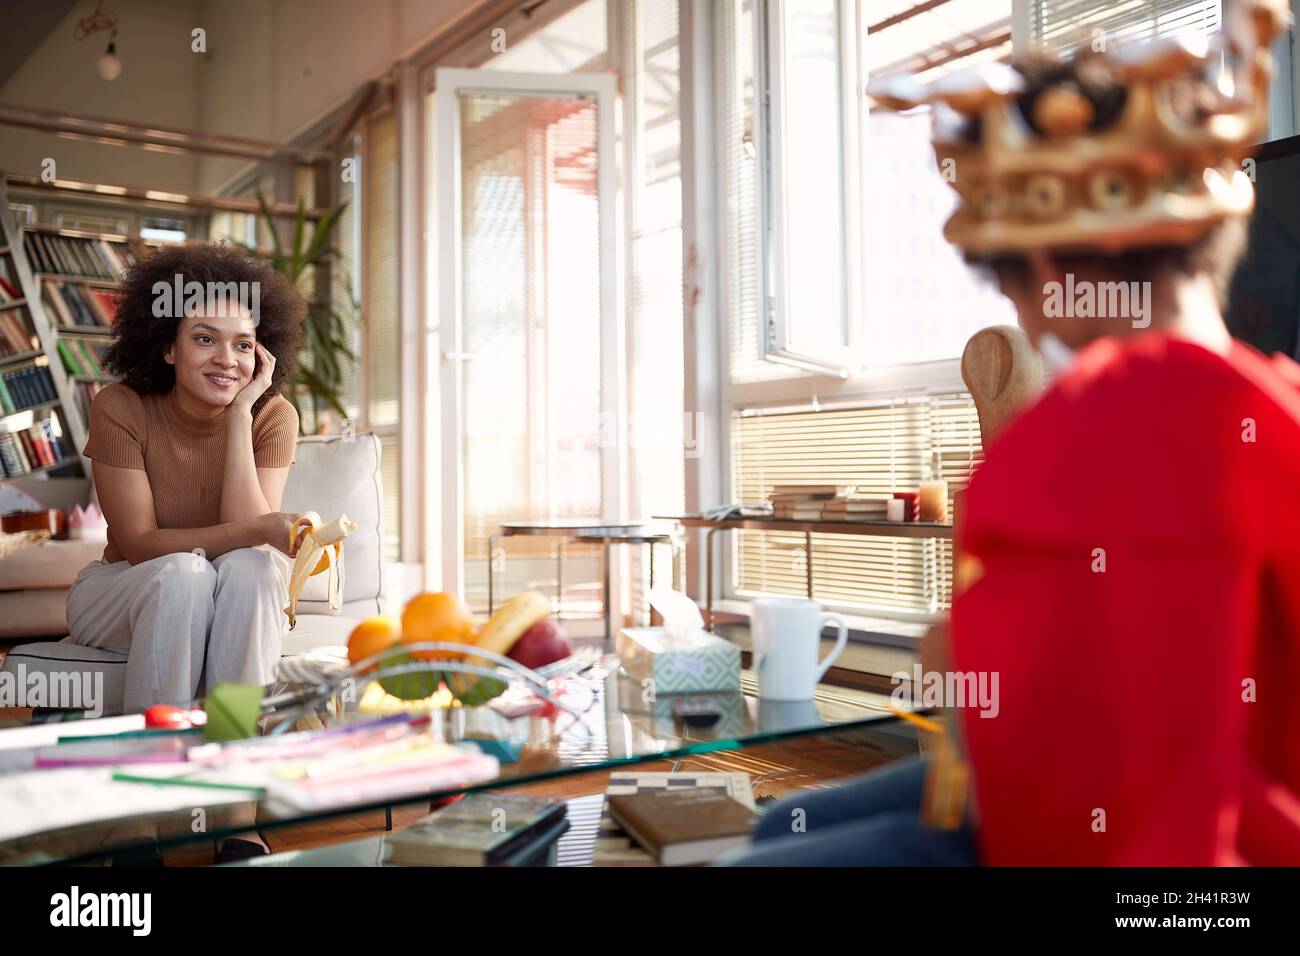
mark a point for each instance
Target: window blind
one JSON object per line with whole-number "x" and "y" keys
{"x": 1059, "y": 25}
{"x": 381, "y": 336}
{"x": 878, "y": 448}
{"x": 739, "y": 168}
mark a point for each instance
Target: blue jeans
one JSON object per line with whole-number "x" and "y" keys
{"x": 872, "y": 820}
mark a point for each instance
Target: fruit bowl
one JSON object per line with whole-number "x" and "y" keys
{"x": 323, "y": 675}
{"x": 329, "y": 666}
{"x": 436, "y": 644}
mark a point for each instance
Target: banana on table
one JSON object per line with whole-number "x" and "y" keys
{"x": 321, "y": 551}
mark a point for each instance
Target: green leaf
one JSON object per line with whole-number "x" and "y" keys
{"x": 474, "y": 689}
{"x": 326, "y": 328}
{"x": 278, "y": 260}
{"x": 416, "y": 686}
{"x": 319, "y": 247}
{"x": 299, "y": 224}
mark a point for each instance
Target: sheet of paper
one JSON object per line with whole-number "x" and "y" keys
{"x": 44, "y": 800}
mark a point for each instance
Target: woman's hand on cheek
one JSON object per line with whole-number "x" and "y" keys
{"x": 250, "y": 393}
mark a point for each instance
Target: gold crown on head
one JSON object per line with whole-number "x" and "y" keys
{"x": 1155, "y": 161}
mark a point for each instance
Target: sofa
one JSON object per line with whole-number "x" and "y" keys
{"x": 332, "y": 475}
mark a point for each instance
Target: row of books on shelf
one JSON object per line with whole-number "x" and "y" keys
{"x": 25, "y": 387}
{"x": 844, "y": 503}
{"x": 16, "y": 335}
{"x": 84, "y": 394}
{"x": 76, "y": 256}
{"x": 27, "y": 449}
{"x": 826, "y": 503}
{"x": 74, "y": 304}
{"x": 81, "y": 358}
{"x": 10, "y": 290}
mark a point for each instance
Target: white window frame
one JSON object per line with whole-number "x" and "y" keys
{"x": 813, "y": 382}
{"x": 602, "y": 89}
{"x": 780, "y": 341}
{"x": 807, "y": 384}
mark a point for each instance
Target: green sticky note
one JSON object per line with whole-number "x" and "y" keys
{"x": 232, "y": 711}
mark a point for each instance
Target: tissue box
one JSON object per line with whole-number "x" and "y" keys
{"x": 698, "y": 662}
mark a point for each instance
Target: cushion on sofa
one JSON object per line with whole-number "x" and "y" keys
{"x": 61, "y": 658}
{"x": 334, "y": 475}
{"x": 102, "y": 671}
{"x": 315, "y": 631}
{"x": 34, "y": 613}
{"x": 50, "y": 564}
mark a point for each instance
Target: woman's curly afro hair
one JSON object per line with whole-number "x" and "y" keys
{"x": 140, "y": 337}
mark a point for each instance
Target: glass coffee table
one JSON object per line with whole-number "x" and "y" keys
{"x": 76, "y": 814}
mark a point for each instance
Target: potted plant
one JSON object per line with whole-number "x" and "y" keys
{"x": 327, "y": 352}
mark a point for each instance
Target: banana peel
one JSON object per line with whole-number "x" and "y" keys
{"x": 320, "y": 552}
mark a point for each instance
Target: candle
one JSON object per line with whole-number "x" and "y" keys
{"x": 895, "y": 510}
{"x": 908, "y": 498}
{"x": 932, "y": 501}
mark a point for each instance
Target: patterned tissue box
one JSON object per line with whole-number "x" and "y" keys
{"x": 698, "y": 662}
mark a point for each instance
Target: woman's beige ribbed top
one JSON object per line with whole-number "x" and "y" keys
{"x": 183, "y": 456}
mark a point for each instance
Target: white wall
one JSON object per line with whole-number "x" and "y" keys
{"x": 159, "y": 84}
{"x": 278, "y": 66}
{"x": 272, "y": 69}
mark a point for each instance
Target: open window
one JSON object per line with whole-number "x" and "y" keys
{"x": 808, "y": 140}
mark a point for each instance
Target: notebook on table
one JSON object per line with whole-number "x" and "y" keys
{"x": 616, "y": 847}
{"x": 482, "y": 829}
{"x": 685, "y": 827}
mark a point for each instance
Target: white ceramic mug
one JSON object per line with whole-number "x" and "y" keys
{"x": 787, "y": 636}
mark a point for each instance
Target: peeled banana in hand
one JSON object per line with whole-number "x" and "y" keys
{"x": 321, "y": 550}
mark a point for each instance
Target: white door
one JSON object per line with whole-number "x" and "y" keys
{"x": 531, "y": 370}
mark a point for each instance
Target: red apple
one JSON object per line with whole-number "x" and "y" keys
{"x": 543, "y": 643}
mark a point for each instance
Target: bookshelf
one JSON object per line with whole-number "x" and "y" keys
{"x": 57, "y": 300}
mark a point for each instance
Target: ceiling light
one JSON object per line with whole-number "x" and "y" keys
{"x": 110, "y": 67}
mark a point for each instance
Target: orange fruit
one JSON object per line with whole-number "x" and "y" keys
{"x": 436, "y": 617}
{"x": 371, "y": 636}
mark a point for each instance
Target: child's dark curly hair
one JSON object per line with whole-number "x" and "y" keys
{"x": 141, "y": 337}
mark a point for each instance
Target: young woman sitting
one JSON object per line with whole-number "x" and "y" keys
{"x": 191, "y": 451}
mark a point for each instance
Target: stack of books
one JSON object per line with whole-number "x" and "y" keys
{"x": 481, "y": 829}
{"x": 803, "y": 502}
{"x": 25, "y": 387}
{"x": 75, "y": 256}
{"x": 77, "y": 304}
{"x": 382, "y": 759}
{"x": 855, "y": 508}
{"x": 26, "y": 450}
